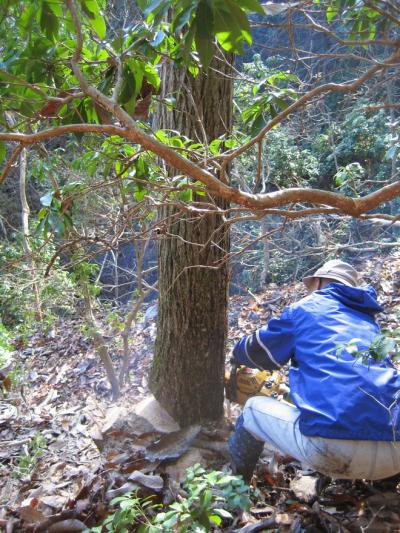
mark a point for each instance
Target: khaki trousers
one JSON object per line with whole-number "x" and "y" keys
{"x": 277, "y": 423}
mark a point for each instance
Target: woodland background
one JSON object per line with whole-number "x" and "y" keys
{"x": 159, "y": 157}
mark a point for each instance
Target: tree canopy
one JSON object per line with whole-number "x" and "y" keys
{"x": 66, "y": 70}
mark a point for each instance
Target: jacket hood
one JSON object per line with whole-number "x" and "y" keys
{"x": 361, "y": 299}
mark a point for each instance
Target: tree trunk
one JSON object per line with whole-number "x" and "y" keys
{"x": 188, "y": 367}
{"x": 25, "y": 212}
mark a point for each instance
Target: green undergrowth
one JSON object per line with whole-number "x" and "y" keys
{"x": 208, "y": 500}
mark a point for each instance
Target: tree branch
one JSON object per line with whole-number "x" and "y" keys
{"x": 12, "y": 159}
{"x": 343, "y": 204}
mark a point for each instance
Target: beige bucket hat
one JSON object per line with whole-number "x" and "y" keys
{"x": 337, "y": 270}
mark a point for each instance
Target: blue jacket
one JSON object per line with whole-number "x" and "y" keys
{"x": 338, "y": 396}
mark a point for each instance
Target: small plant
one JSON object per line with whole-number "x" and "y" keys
{"x": 383, "y": 347}
{"x": 132, "y": 509}
{"x": 6, "y": 349}
{"x": 17, "y": 298}
{"x": 27, "y": 461}
{"x": 211, "y": 497}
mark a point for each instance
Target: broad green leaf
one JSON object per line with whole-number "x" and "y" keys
{"x": 258, "y": 125}
{"x": 223, "y": 513}
{"x": 186, "y": 195}
{"x": 204, "y": 37}
{"x": 391, "y": 152}
{"x": 99, "y": 26}
{"x": 183, "y": 18}
{"x": 331, "y": 12}
{"x": 57, "y": 7}
{"x": 156, "y": 11}
{"x": 128, "y": 88}
{"x": 96, "y": 20}
{"x": 3, "y": 151}
{"x": 251, "y": 5}
{"x": 27, "y": 18}
{"x": 188, "y": 43}
{"x": 49, "y": 21}
{"x": 232, "y": 27}
{"x": 151, "y": 75}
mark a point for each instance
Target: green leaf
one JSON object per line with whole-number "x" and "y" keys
{"x": 158, "y": 39}
{"x": 251, "y": 5}
{"x": 3, "y": 151}
{"x": 151, "y": 75}
{"x": 56, "y": 7}
{"x": 332, "y": 10}
{"x": 204, "y": 37}
{"x": 128, "y": 87}
{"x": 258, "y": 125}
{"x": 391, "y": 152}
{"x": 150, "y": 7}
{"x": 186, "y": 195}
{"x": 216, "y": 519}
{"x": 27, "y": 18}
{"x": 188, "y": 43}
{"x": 183, "y": 18}
{"x": 99, "y": 26}
{"x": 232, "y": 27}
{"x": 96, "y": 20}
{"x": 49, "y": 21}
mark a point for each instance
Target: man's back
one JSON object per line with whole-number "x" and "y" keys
{"x": 338, "y": 395}
{"x": 345, "y": 418}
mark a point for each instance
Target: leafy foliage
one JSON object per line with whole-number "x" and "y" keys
{"x": 16, "y": 297}
{"x": 211, "y": 498}
{"x": 5, "y": 346}
{"x": 27, "y": 461}
{"x": 132, "y": 509}
{"x": 384, "y": 347}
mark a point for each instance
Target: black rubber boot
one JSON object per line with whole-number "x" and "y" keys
{"x": 244, "y": 450}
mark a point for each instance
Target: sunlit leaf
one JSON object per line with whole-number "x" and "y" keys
{"x": 3, "y": 151}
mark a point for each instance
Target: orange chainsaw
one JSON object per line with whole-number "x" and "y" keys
{"x": 241, "y": 383}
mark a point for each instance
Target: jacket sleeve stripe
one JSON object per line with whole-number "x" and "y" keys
{"x": 245, "y": 347}
{"x": 260, "y": 342}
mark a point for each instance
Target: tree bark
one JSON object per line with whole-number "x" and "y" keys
{"x": 188, "y": 367}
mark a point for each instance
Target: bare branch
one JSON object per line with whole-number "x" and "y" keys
{"x": 343, "y": 204}
{"x": 321, "y": 89}
{"x": 10, "y": 163}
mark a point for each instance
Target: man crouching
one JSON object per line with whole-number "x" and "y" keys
{"x": 345, "y": 419}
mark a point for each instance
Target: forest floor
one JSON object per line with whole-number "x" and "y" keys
{"x": 60, "y": 466}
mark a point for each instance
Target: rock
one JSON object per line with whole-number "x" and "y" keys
{"x": 253, "y": 316}
{"x": 146, "y": 419}
{"x": 155, "y": 483}
{"x": 157, "y": 416}
{"x": 120, "y": 491}
{"x": 173, "y": 445}
{"x": 67, "y": 526}
{"x": 305, "y": 488}
{"x": 120, "y": 420}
